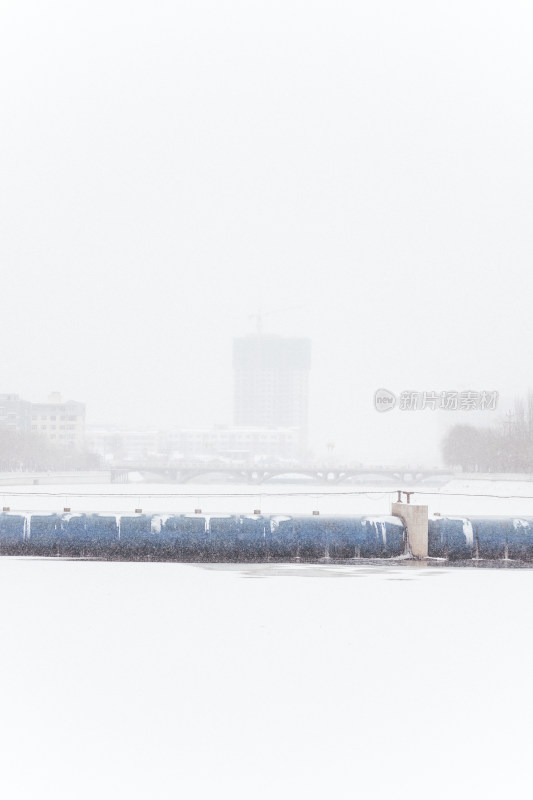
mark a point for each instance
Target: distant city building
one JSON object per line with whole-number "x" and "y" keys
{"x": 148, "y": 445}
{"x": 271, "y": 383}
{"x": 15, "y": 413}
{"x": 124, "y": 444}
{"x": 232, "y": 443}
{"x": 61, "y": 423}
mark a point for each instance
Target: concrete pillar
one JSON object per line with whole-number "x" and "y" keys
{"x": 416, "y": 521}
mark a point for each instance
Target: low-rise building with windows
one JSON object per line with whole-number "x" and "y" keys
{"x": 62, "y": 423}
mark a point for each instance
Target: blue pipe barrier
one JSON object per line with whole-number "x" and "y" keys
{"x": 450, "y": 538}
{"x": 44, "y": 534}
{"x": 520, "y": 539}
{"x": 12, "y": 533}
{"x": 188, "y": 538}
{"x": 253, "y": 540}
{"x": 194, "y": 537}
{"x": 257, "y": 538}
{"x": 492, "y": 538}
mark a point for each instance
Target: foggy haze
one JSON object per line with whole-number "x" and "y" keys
{"x": 359, "y": 173}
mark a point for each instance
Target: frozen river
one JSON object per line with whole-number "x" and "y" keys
{"x": 124, "y": 680}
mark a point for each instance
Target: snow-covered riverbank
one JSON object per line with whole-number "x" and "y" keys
{"x": 461, "y": 497}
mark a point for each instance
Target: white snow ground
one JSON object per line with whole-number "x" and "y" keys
{"x": 124, "y": 680}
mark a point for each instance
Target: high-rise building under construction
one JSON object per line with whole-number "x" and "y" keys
{"x": 271, "y": 387}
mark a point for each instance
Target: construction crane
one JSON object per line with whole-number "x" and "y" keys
{"x": 259, "y": 315}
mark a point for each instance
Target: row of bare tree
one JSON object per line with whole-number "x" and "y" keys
{"x": 505, "y": 447}
{"x": 29, "y": 451}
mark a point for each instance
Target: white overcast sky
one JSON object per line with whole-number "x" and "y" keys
{"x": 363, "y": 172}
